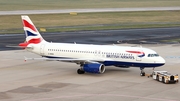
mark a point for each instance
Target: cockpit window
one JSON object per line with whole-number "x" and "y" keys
{"x": 153, "y": 55}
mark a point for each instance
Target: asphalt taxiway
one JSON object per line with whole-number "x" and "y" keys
{"x": 57, "y": 11}
{"x": 58, "y": 81}
{"x": 132, "y": 36}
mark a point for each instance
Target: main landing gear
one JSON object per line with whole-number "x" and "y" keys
{"x": 80, "y": 71}
{"x": 142, "y": 71}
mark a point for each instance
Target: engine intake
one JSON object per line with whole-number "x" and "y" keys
{"x": 94, "y": 68}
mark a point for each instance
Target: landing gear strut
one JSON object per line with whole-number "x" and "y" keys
{"x": 142, "y": 71}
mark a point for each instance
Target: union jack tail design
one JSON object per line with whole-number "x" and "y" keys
{"x": 32, "y": 34}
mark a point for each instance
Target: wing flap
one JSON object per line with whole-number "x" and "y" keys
{"x": 78, "y": 61}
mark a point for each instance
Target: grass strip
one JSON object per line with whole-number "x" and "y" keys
{"x": 93, "y": 21}
{"x": 74, "y": 4}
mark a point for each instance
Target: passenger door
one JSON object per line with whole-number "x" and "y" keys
{"x": 42, "y": 49}
{"x": 138, "y": 57}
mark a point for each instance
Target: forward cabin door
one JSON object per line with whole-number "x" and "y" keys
{"x": 138, "y": 58}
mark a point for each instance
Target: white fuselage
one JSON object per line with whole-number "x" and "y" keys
{"x": 91, "y": 58}
{"x": 106, "y": 54}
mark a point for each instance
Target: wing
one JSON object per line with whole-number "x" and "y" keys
{"x": 74, "y": 60}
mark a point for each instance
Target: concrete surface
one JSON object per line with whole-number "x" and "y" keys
{"x": 58, "y": 81}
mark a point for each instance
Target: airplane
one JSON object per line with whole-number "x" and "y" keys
{"x": 91, "y": 58}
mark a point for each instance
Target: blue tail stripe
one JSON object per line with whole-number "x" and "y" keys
{"x": 30, "y": 34}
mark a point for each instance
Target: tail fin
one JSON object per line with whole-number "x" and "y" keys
{"x": 32, "y": 34}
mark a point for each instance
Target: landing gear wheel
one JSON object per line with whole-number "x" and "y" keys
{"x": 79, "y": 71}
{"x": 142, "y": 73}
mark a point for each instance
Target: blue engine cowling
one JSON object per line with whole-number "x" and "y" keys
{"x": 94, "y": 68}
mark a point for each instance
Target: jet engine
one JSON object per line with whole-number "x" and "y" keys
{"x": 94, "y": 68}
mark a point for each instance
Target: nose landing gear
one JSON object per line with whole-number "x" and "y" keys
{"x": 142, "y": 71}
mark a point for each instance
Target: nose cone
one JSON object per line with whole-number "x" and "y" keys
{"x": 161, "y": 61}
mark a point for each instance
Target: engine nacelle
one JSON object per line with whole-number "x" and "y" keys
{"x": 94, "y": 68}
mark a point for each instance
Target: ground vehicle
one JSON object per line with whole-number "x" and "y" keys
{"x": 165, "y": 77}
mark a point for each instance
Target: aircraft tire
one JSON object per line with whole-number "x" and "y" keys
{"x": 142, "y": 74}
{"x": 79, "y": 71}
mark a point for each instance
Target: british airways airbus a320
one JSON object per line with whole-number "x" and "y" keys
{"x": 91, "y": 58}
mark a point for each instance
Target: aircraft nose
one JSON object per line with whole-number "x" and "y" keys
{"x": 161, "y": 60}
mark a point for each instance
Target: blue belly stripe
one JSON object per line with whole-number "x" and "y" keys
{"x": 120, "y": 63}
